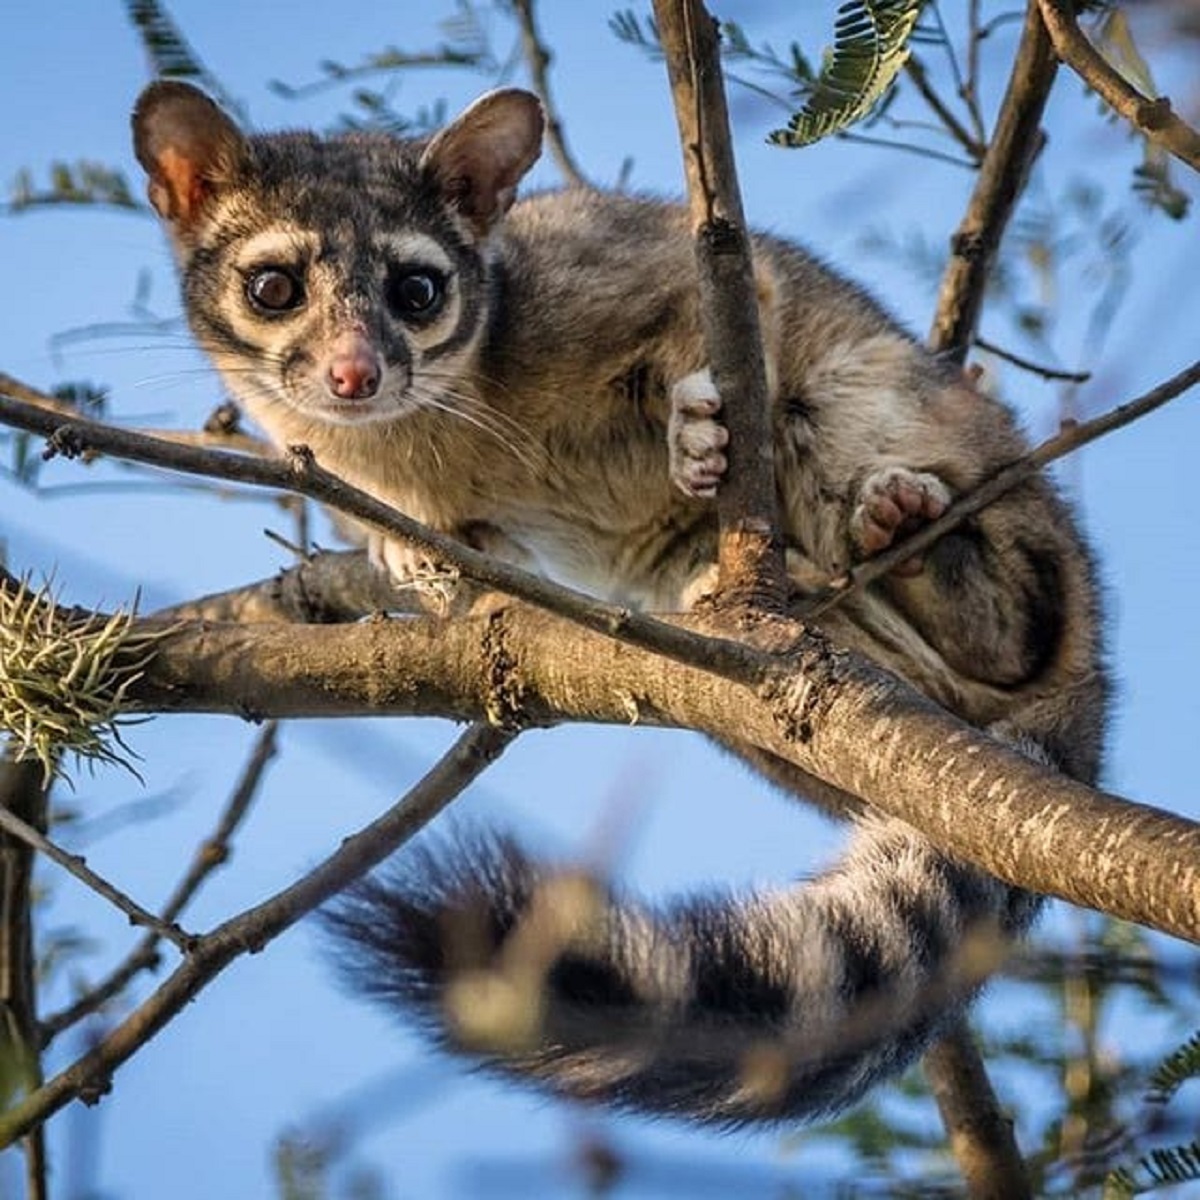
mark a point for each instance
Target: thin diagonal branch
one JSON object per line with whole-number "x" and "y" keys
{"x": 75, "y": 865}
{"x": 537, "y": 58}
{"x": 915, "y": 70}
{"x": 750, "y": 556}
{"x": 1152, "y": 117}
{"x": 1010, "y": 154}
{"x": 212, "y": 853}
{"x": 90, "y": 1076}
{"x": 1069, "y": 438}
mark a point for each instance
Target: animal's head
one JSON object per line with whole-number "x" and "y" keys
{"x": 342, "y": 277}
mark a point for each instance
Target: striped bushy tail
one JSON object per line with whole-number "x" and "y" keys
{"x": 722, "y": 1009}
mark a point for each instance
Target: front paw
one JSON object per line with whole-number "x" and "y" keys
{"x": 893, "y": 501}
{"x": 695, "y": 439}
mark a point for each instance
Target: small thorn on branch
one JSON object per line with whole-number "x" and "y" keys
{"x": 66, "y": 440}
{"x": 301, "y": 459}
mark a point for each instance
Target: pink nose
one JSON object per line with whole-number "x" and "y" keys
{"x": 354, "y": 370}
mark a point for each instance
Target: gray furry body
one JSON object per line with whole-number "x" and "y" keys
{"x": 530, "y": 377}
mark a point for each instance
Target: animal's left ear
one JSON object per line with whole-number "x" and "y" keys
{"x": 189, "y": 148}
{"x": 479, "y": 158}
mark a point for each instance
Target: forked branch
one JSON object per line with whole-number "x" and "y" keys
{"x": 210, "y": 854}
{"x": 89, "y": 1077}
{"x": 1151, "y": 116}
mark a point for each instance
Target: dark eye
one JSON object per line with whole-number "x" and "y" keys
{"x": 415, "y": 294}
{"x": 274, "y": 290}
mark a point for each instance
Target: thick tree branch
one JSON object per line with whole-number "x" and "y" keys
{"x": 1150, "y": 116}
{"x": 1010, "y": 154}
{"x": 830, "y": 712}
{"x": 89, "y": 1077}
{"x": 751, "y": 561}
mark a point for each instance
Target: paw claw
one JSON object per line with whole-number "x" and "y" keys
{"x": 894, "y": 500}
{"x": 408, "y": 566}
{"x": 694, "y": 438}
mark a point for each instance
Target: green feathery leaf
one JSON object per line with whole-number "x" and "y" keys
{"x": 170, "y": 55}
{"x": 1160, "y": 1168}
{"x": 1174, "y": 1071}
{"x": 870, "y": 47}
{"x": 83, "y": 182}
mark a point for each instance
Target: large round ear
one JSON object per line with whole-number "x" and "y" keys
{"x": 479, "y": 158}
{"x": 187, "y": 146}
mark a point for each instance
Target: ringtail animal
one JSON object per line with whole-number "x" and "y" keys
{"x": 529, "y": 376}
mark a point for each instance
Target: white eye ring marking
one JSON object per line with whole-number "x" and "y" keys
{"x": 281, "y": 244}
{"x": 413, "y": 247}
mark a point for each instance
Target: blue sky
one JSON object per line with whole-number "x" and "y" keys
{"x": 272, "y": 1044}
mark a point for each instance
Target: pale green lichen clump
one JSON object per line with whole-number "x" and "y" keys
{"x": 64, "y": 680}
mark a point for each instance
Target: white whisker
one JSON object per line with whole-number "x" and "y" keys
{"x": 443, "y": 402}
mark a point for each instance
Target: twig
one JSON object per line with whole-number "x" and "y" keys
{"x": 947, "y": 44}
{"x": 1151, "y": 117}
{"x": 212, "y": 853}
{"x": 1002, "y": 176}
{"x": 750, "y": 554}
{"x": 973, "y": 146}
{"x": 969, "y": 86}
{"x": 537, "y": 59}
{"x": 24, "y": 791}
{"x": 89, "y": 1077}
{"x": 1027, "y": 364}
{"x": 77, "y": 866}
{"x": 1070, "y": 437}
{"x": 981, "y": 1135}
{"x": 300, "y": 473}
{"x": 213, "y": 435}
{"x": 863, "y": 139}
